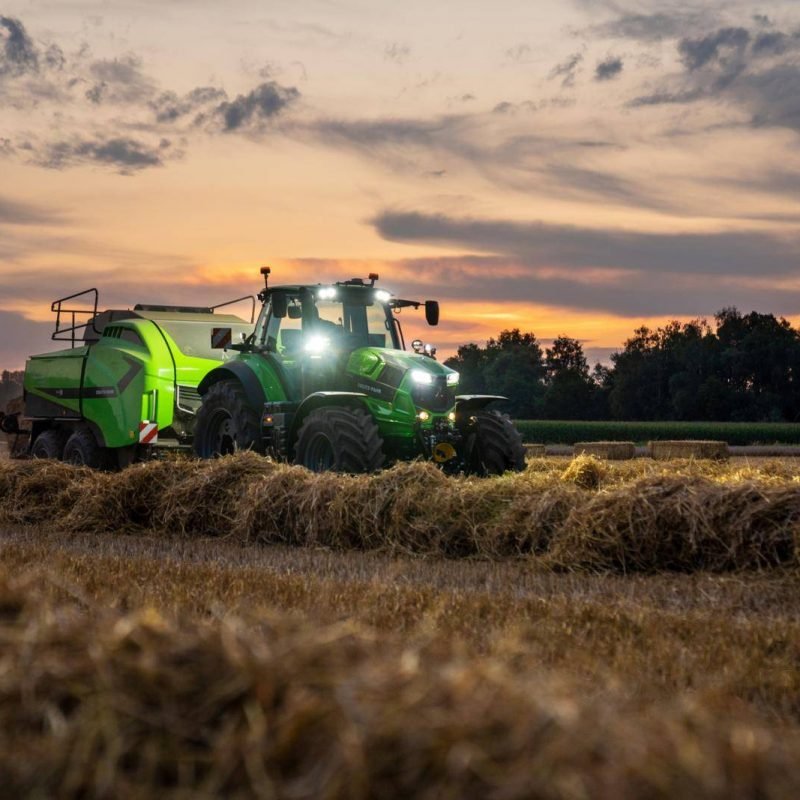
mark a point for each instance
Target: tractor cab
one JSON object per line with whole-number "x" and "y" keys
{"x": 312, "y": 332}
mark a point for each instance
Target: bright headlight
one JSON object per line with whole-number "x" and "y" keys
{"x": 422, "y": 377}
{"x": 326, "y": 293}
{"x": 316, "y": 344}
{"x": 382, "y": 296}
{"x": 452, "y": 378}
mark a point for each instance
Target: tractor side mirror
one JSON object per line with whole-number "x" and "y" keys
{"x": 295, "y": 312}
{"x": 279, "y": 305}
{"x": 432, "y": 312}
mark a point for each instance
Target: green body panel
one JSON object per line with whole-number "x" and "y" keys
{"x": 48, "y": 373}
{"x": 396, "y": 418}
{"x": 132, "y": 373}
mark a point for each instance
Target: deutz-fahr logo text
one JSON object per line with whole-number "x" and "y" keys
{"x": 371, "y": 389}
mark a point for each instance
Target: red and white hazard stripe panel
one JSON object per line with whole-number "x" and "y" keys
{"x": 148, "y": 432}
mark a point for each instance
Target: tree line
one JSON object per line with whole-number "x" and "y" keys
{"x": 746, "y": 367}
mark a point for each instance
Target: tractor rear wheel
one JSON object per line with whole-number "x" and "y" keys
{"x": 82, "y": 450}
{"x": 493, "y": 445}
{"x": 340, "y": 440}
{"x": 49, "y": 444}
{"x": 226, "y": 422}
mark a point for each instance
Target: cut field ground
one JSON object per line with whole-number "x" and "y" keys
{"x": 140, "y": 665}
{"x": 159, "y": 638}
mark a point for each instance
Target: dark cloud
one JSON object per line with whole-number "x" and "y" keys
{"x": 608, "y": 69}
{"x": 725, "y": 254}
{"x": 169, "y": 107}
{"x": 755, "y": 72}
{"x": 125, "y": 154}
{"x": 724, "y": 43}
{"x": 567, "y": 70}
{"x": 120, "y": 81}
{"x": 636, "y": 295}
{"x": 773, "y": 43}
{"x": 18, "y": 54}
{"x": 261, "y": 104}
{"x": 646, "y": 27}
{"x": 553, "y": 265}
{"x": 666, "y": 97}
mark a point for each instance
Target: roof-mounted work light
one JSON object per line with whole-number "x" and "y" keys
{"x": 265, "y": 271}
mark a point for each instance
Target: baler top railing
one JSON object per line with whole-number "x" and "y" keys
{"x": 250, "y": 297}
{"x": 69, "y": 321}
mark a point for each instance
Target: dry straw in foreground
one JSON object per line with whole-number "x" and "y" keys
{"x": 99, "y": 703}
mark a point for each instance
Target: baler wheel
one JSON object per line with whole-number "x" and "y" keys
{"x": 49, "y": 444}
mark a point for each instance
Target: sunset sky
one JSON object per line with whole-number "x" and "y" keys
{"x": 573, "y": 168}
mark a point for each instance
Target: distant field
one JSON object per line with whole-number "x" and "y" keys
{"x": 734, "y": 433}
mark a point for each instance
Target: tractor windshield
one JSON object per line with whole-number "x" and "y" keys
{"x": 350, "y": 322}
{"x": 335, "y": 318}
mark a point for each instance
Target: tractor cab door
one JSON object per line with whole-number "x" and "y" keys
{"x": 305, "y": 342}
{"x": 280, "y": 339}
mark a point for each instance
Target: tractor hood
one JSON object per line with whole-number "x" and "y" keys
{"x": 381, "y": 373}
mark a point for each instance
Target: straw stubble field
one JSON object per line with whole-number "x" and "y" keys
{"x": 238, "y": 628}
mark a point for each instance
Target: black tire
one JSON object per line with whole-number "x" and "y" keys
{"x": 226, "y": 422}
{"x": 49, "y": 444}
{"x": 82, "y": 450}
{"x": 340, "y": 440}
{"x": 492, "y": 445}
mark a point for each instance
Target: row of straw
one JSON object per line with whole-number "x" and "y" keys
{"x": 563, "y": 519}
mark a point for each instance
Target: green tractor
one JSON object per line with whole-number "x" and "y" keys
{"x": 324, "y": 381}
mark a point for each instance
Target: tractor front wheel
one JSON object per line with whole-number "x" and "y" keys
{"x": 226, "y": 422}
{"x": 340, "y": 440}
{"x": 492, "y": 445}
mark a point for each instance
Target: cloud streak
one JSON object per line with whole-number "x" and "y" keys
{"x": 725, "y": 253}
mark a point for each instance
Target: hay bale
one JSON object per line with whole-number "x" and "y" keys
{"x": 535, "y": 451}
{"x": 664, "y": 450}
{"x": 611, "y": 451}
{"x": 585, "y": 471}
